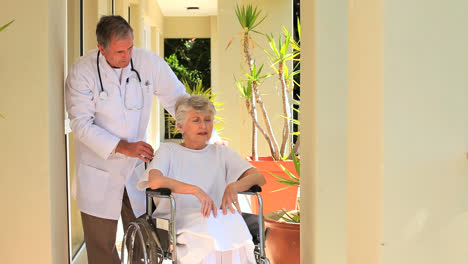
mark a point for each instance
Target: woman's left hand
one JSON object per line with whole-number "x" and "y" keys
{"x": 230, "y": 199}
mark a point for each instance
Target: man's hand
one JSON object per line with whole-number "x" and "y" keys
{"x": 140, "y": 149}
{"x": 230, "y": 199}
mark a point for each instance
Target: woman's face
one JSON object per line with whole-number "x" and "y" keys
{"x": 197, "y": 128}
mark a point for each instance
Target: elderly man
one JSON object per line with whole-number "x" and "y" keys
{"x": 109, "y": 93}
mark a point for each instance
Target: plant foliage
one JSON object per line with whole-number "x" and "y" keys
{"x": 6, "y": 25}
{"x": 283, "y": 49}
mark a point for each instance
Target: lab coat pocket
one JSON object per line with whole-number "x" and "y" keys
{"x": 92, "y": 183}
{"x": 109, "y": 109}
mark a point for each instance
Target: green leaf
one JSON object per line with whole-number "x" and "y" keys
{"x": 290, "y": 174}
{"x": 6, "y": 25}
{"x": 293, "y": 181}
{"x": 2, "y": 116}
{"x": 279, "y": 190}
{"x": 296, "y": 161}
{"x": 245, "y": 88}
{"x": 289, "y": 217}
{"x": 249, "y": 17}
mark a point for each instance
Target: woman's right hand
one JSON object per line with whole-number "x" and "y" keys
{"x": 207, "y": 204}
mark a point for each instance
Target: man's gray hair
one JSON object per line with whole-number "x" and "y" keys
{"x": 109, "y": 27}
{"x": 195, "y": 102}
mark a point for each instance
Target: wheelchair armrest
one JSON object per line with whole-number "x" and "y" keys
{"x": 160, "y": 192}
{"x": 253, "y": 190}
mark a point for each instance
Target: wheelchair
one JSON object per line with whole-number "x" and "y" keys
{"x": 157, "y": 236}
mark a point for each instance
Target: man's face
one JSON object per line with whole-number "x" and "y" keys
{"x": 119, "y": 51}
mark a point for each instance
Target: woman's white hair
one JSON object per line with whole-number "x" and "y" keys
{"x": 195, "y": 102}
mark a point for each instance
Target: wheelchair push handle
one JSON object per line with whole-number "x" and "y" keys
{"x": 158, "y": 192}
{"x": 166, "y": 192}
{"x": 254, "y": 189}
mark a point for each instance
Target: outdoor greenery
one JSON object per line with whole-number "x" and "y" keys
{"x": 190, "y": 59}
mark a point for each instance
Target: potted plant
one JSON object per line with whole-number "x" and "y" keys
{"x": 284, "y": 225}
{"x": 283, "y": 50}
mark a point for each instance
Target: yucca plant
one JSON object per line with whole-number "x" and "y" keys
{"x": 249, "y": 19}
{"x": 280, "y": 54}
{"x": 198, "y": 89}
{"x": 283, "y": 50}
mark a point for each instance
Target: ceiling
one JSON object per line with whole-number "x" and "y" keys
{"x": 179, "y": 7}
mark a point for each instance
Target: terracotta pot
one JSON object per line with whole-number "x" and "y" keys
{"x": 282, "y": 243}
{"x": 274, "y": 201}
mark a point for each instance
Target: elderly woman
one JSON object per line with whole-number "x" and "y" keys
{"x": 205, "y": 180}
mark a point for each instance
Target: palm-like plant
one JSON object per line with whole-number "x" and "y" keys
{"x": 249, "y": 18}
{"x": 281, "y": 52}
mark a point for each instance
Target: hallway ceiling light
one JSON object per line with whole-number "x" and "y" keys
{"x": 188, "y": 7}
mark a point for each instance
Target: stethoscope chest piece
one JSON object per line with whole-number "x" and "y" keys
{"x": 103, "y": 95}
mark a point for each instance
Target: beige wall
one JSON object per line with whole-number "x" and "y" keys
{"x": 425, "y": 216}
{"x": 104, "y": 7}
{"x": 310, "y": 237}
{"x": 90, "y": 18}
{"x": 121, "y": 8}
{"x": 237, "y": 121}
{"x": 365, "y": 132}
{"x": 187, "y": 27}
{"x": 405, "y": 129}
{"x": 32, "y": 169}
{"x": 146, "y": 14}
{"x": 324, "y": 125}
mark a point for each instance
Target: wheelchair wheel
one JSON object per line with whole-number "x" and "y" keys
{"x": 143, "y": 231}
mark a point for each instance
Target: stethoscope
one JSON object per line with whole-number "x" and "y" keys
{"x": 103, "y": 94}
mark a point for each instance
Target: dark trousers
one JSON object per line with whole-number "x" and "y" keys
{"x": 99, "y": 235}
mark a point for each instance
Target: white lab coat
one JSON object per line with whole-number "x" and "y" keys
{"x": 99, "y": 124}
